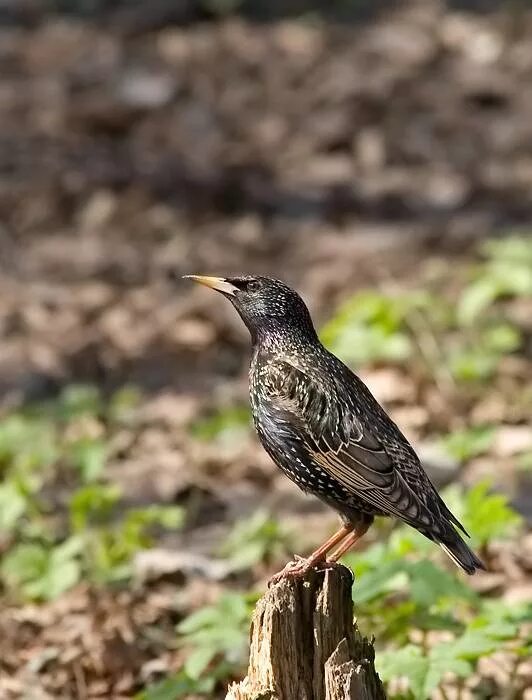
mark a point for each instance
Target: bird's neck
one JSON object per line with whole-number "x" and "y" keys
{"x": 280, "y": 338}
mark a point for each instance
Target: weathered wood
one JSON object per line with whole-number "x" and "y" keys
{"x": 305, "y": 645}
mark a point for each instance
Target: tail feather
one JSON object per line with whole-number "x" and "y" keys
{"x": 460, "y": 553}
{"x": 454, "y": 519}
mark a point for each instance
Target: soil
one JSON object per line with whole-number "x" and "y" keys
{"x": 141, "y": 142}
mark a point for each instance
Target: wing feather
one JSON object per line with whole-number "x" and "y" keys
{"x": 347, "y": 448}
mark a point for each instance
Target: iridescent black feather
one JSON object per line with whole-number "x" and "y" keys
{"x": 323, "y": 427}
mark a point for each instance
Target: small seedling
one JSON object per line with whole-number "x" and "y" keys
{"x": 254, "y": 540}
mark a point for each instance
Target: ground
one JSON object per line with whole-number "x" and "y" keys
{"x": 378, "y": 153}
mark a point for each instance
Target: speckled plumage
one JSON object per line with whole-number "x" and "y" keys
{"x": 322, "y": 426}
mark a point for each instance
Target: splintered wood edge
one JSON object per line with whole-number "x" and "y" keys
{"x": 305, "y": 645}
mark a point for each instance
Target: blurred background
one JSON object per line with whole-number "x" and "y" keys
{"x": 375, "y": 155}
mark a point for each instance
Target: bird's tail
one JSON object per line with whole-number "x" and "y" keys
{"x": 455, "y": 547}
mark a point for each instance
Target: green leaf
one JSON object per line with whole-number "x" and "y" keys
{"x": 24, "y": 562}
{"x": 60, "y": 577}
{"x": 501, "y": 339}
{"x": 407, "y": 662}
{"x": 439, "y": 666}
{"x": 506, "y": 272}
{"x": 424, "y": 673}
{"x": 217, "y": 630}
{"x": 429, "y": 584}
{"x": 198, "y": 661}
{"x": 473, "y": 364}
{"x": 469, "y": 442}
{"x": 123, "y": 402}
{"x": 224, "y": 426}
{"x": 95, "y": 501}
{"x": 199, "y": 619}
{"x": 88, "y": 456}
{"x": 27, "y": 443}
{"x": 515, "y": 249}
{"x": 13, "y": 505}
{"x": 425, "y": 620}
{"x": 473, "y": 644}
{"x": 42, "y": 573}
{"x": 405, "y": 540}
{"x": 253, "y": 540}
{"x": 373, "y": 584}
{"x": 79, "y": 400}
{"x": 488, "y": 515}
{"x": 178, "y": 686}
{"x": 485, "y": 515}
{"x": 68, "y": 549}
{"x": 230, "y": 606}
{"x": 499, "y": 612}
{"x": 524, "y": 461}
{"x": 166, "y": 516}
{"x": 477, "y": 297}
{"x": 371, "y": 326}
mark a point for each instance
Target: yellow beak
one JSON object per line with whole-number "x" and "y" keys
{"x": 218, "y": 283}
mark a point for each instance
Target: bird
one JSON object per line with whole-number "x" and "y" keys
{"x": 326, "y": 431}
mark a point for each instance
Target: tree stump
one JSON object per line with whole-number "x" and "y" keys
{"x": 306, "y": 646}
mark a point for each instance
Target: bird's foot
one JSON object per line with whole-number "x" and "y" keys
{"x": 299, "y": 567}
{"x": 293, "y": 569}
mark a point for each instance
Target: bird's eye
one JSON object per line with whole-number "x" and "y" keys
{"x": 252, "y": 286}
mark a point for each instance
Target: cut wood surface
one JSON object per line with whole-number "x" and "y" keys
{"x": 305, "y": 645}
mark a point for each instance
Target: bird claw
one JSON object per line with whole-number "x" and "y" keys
{"x": 295, "y": 568}
{"x": 299, "y": 567}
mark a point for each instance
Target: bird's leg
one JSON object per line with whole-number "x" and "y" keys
{"x": 301, "y": 566}
{"x": 326, "y": 547}
{"x": 358, "y": 532}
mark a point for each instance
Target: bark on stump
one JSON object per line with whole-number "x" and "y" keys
{"x": 306, "y": 646}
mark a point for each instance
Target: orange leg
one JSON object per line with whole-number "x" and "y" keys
{"x": 326, "y": 547}
{"x": 301, "y": 566}
{"x": 348, "y": 542}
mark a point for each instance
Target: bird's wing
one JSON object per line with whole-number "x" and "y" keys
{"x": 387, "y": 476}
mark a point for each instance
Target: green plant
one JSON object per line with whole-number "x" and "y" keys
{"x": 98, "y": 549}
{"x": 42, "y": 572}
{"x": 217, "y": 634}
{"x": 486, "y": 515}
{"x": 110, "y": 546}
{"x": 485, "y": 336}
{"x": 397, "y": 593}
{"x": 483, "y": 635}
{"x": 177, "y": 686}
{"x": 14, "y": 503}
{"x": 460, "y": 340}
{"x": 469, "y": 442}
{"x": 88, "y": 456}
{"x": 476, "y": 355}
{"x": 78, "y": 400}
{"x": 50, "y": 546}
{"x": 524, "y": 461}
{"x": 26, "y": 442}
{"x": 505, "y": 272}
{"x": 223, "y": 426}
{"x": 259, "y": 538}
{"x": 114, "y": 547}
{"x": 28, "y": 450}
{"x": 372, "y": 326}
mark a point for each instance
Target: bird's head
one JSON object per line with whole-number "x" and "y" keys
{"x": 265, "y": 305}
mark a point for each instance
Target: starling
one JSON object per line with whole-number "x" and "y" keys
{"x": 322, "y": 426}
